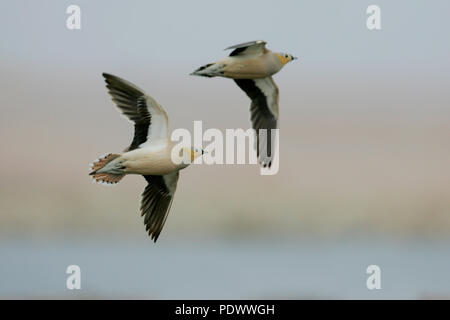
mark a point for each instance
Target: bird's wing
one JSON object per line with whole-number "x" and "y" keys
{"x": 264, "y": 113}
{"x": 149, "y": 117}
{"x": 156, "y": 201}
{"x": 248, "y": 48}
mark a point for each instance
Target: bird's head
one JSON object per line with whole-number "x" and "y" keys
{"x": 285, "y": 57}
{"x": 193, "y": 152}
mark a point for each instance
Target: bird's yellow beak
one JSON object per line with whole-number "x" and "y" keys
{"x": 283, "y": 59}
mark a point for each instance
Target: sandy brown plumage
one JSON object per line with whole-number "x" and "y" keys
{"x": 251, "y": 65}
{"x": 149, "y": 153}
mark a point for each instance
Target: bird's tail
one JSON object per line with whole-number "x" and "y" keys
{"x": 209, "y": 70}
{"x": 107, "y": 169}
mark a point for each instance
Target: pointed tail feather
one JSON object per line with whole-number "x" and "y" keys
{"x": 209, "y": 70}
{"x": 105, "y": 171}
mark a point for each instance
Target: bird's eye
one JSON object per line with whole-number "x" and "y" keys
{"x": 286, "y": 55}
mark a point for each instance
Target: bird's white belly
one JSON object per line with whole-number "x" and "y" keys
{"x": 149, "y": 162}
{"x": 251, "y": 67}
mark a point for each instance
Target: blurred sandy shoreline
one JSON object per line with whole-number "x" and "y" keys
{"x": 337, "y": 175}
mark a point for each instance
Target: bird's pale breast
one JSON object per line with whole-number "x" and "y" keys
{"x": 149, "y": 162}
{"x": 252, "y": 68}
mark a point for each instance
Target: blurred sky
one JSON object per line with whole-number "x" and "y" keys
{"x": 326, "y": 34}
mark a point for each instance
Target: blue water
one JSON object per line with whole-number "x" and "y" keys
{"x": 224, "y": 270}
